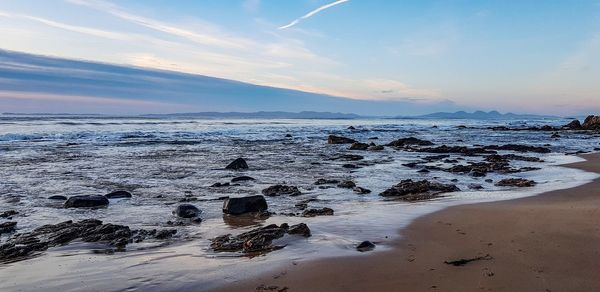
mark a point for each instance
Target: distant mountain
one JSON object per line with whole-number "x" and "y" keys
{"x": 480, "y": 115}
{"x": 262, "y": 115}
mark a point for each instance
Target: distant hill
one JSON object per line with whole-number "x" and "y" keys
{"x": 263, "y": 115}
{"x": 479, "y": 115}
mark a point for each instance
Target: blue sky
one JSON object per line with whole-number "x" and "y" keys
{"x": 520, "y": 56}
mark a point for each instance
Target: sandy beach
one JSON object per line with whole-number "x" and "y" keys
{"x": 549, "y": 242}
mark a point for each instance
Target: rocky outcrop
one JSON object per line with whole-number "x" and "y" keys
{"x": 7, "y": 227}
{"x": 519, "y": 148}
{"x": 259, "y": 240}
{"x": 409, "y": 141}
{"x": 456, "y": 149}
{"x": 86, "y": 202}
{"x": 410, "y": 190}
{"x": 573, "y": 125}
{"x": 516, "y": 182}
{"x": 278, "y": 190}
{"x": 591, "y": 123}
{"x": 250, "y": 204}
{"x": 332, "y": 139}
{"x": 118, "y": 195}
{"x": 237, "y": 164}
{"x": 187, "y": 211}
{"x": 359, "y": 146}
{"x": 317, "y": 212}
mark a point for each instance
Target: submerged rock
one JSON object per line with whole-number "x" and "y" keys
{"x": 58, "y": 198}
{"x": 515, "y": 182}
{"x": 361, "y": 190}
{"x": 365, "y": 246}
{"x": 410, "y": 190}
{"x": 242, "y": 178}
{"x": 317, "y": 212}
{"x": 258, "y": 240}
{"x": 187, "y": 211}
{"x": 86, "y": 202}
{"x": 278, "y": 190}
{"x": 332, "y": 139}
{"x": 8, "y": 214}
{"x": 359, "y": 146}
{"x": 347, "y": 184}
{"x": 7, "y": 227}
{"x": 237, "y": 164}
{"x": 238, "y": 206}
{"x": 409, "y": 141}
{"x": 376, "y": 148}
{"x": 118, "y": 195}
{"x": 323, "y": 181}
{"x": 220, "y": 185}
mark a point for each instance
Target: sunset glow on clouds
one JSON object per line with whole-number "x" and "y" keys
{"x": 488, "y": 55}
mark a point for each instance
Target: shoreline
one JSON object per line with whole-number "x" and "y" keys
{"x": 547, "y": 242}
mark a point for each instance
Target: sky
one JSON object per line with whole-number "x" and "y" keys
{"x": 402, "y": 56}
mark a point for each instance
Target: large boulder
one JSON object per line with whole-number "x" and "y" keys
{"x": 237, "y": 206}
{"x": 278, "y": 190}
{"x": 339, "y": 140}
{"x": 410, "y": 190}
{"x": 573, "y": 125}
{"x": 591, "y": 123}
{"x": 86, "y": 202}
{"x": 239, "y": 163}
{"x": 187, "y": 211}
{"x": 118, "y": 195}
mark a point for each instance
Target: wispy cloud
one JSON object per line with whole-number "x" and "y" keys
{"x": 312, "y": 13}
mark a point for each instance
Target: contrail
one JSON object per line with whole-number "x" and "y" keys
{"x": 310, "y": 14}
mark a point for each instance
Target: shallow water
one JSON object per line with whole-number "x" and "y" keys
{"x": 181, "y": 158}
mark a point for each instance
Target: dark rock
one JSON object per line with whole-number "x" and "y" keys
{"x": 489, "y": 180}
{"x": 555, "y": 135}
{"x": 58, "y": 198}
{"x": 409, "y": 141}
{"x": 519, "y": 148}
{"x": 237, "y": 164}
{"x": 219, "y": 185}
{"x": 289, "y": 136}
{"x": 348, "y": 165}
{"x": 323, "y": 181}
{"x": 187, "y": 211}
{"x": 376, "y": 148}
{"x": 373, "y": 138}
{"x": 9, "y": 213}
{"x": 591, "y": 123}
{"x": 515, "y": 182}
{"x": 476, "y": 173}
{"x": 410, "y": 190}
{"x": 573, "y": 125}
{"x": 258, "y": 240}
{"x": 475, "y": 186}
{"x": 462, "y": 262}
{"x": 347, "y": 184}
{"x": 507, "y": 157}
{"x": 317, "y": 212}
{"x": 456, "y": 149}
{"x": 118, "y": 195}
{"x": 349, "y": 157}
{"x": 332, "y": 139}
{"x": 365, "y": 246}
{"x": 278, "y": 190}
{"x": 237, "y": 206}
{"x": 351, "y": 128}
{"x": 361, "y": 190}
{"x": 423, "y": 170}
{"x": 7, "y": 227}
{"x": 86, "y": 202}
{"x": 359, "y": 146}
{"x": 299, "y": 229}
{"x": 242, "y": 178}
{"x": 165, "y": 233}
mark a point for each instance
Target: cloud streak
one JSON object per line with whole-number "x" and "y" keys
{"x": 312, "y": 13}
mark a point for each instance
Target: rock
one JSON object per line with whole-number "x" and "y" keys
{"x": 373, "y": 138}
{"x": 410, "y": 190}
{"x": 361, "y": 190}
{"x": 187, "y": 211}
{"x": 299, "y": 229}
{"x": 351, "y": 128}
{"x": 258, "y": 240}
{"x": 376, "y": 148}
{"x": 278, "y": 190}
{"x": 220, "y": 185}
{"x": 237, "y": 164}
{"x": 118, "y": 195}
{"x": 423, "y": 170}
{"x": 591, "y": 123}
{"x": 475, "y": 186}
{"x": 507, "y": 157}
{"x": 323, "y": 181}
{"x": 515, "y": 182}
{"x": 339, "y": 140}
{"x": 7, "y": 227}
{"x": 409, "y": 141}
{"x": 365, "y": 246}
{"x": 237, "y": 206}
{"x": 317, "y": 212}
{"x": 8, "y": 214}
{"x": 289, "y": 136}
{"x": 241, "y": 178}
{"x": 519, "y": 148}
{"x": 349, "y": 165}
{"x": 165, "y": 233}
{"x": 555, "y": 135}
{"x": 86, "y": 202}
{"x": 348, "y": 157}
{"x": 359, "y": 146}
{"x": 573, "y": 125}
{"x": 58, "y": 198}
{"x": 347, "y": 184}
{"x": 456, "y": 149}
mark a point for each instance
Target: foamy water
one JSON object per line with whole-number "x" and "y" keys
{"x": 181, "y": 158}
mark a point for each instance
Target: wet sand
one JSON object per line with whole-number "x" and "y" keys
{"x": 549, "y": 242}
